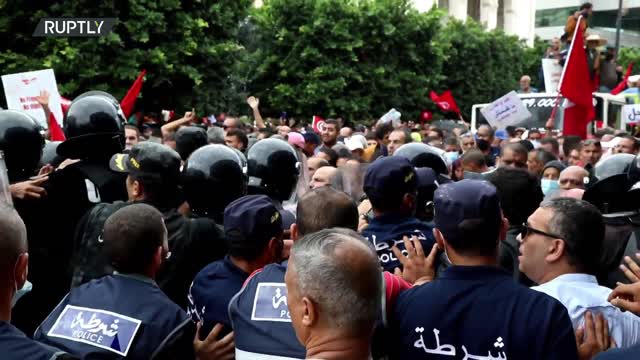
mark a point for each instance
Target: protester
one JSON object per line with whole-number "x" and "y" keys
{"x": 486, "y": 133}
{"x": 467, "y": 142}
{"x": 329, "y": 133}
{"x": 561, "y": 245}
{"x": 525, "y": 85}
{"x": 514, "y": 155}
{"x": 236, "y": 139}
{"x": 551, "y": 145}
{"x": 131, "y": 136}
{"x": 473, "y": 164}
{"x": 627, "y": 145}
{"x": 136, "y": 245}
{"x": 590, "y": 153}
{"x": 253, "y": 230}
{"x": 329, "y": 271}
{"x": 537, "y": 161}
{"x": 573, "y": 177}
{"x": 323, "y": 177}
{"x": 550, "y": 176}
{"x": 315, "y": 163}
{"x": 398, "y": 138}
{"x": 329, "y": 155}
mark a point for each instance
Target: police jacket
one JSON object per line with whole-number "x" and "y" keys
{"x": 14, "y": 345}
{"x": 386, "y": 230}
{"x": 52, "y": 221}
{"x": 119, "y": 317}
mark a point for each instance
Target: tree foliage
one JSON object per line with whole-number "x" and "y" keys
{"x": 188, "y": 48}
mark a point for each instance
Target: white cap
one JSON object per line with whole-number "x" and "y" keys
{"x": 633, "y": 79}
{"x": 353, "y": 143}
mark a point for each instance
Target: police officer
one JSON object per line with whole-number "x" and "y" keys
{"x": 153, "y": 177}
{"x": 422, "y": 155}
{"x": 253, "y": 230}
{"x": 264, "y": 327}
{"x": 477, "y": 310}
{"x": 14, "y": 259}
{"x": 391, "y": 185}
{"x": 273, "y": 168}
{"x": 21, "y": 143}
{"x": 94, "y": 132}
{"x": 124, "y": 315}
{"x": 189, "y": 139}
{"x": 612, "y": 196}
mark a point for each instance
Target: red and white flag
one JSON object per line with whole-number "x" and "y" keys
{"x": 129, "y": 100}
{"x": 445, "y": 101}
{"x": 426, "y": 116}
{"x": 317, "y": 124}
{"x": 575, "y": 85}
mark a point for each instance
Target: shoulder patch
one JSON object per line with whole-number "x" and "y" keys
{"x": 104, "y": 329}
{"x": 270, "y": 303}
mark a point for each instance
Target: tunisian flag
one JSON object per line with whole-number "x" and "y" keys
{"x": 127, "y": 102}
{"x": 55, "y": 132}
{"x": 575, "y": 86}
{"x": 445, "y": 101}
{"x": 317, "y": 124}
{"x": 623, "y": 84}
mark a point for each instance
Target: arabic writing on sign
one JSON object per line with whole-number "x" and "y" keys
{"x": 270, "y": 303}
{"x": 95, "y": 325}
{"x": 631, "y": 113}
{"x": 507, "y": 110}
{"x": 450, "y": 350}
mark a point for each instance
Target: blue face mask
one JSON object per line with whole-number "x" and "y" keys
{"x": 451, "y": 156}
{"x": 26, "y": 288}
{"x": 548, "y": 186}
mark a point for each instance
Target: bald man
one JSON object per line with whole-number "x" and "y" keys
{"x": 333, "y": 293}
{"x": 573, "y": 177}
{"x": 14, "y": 262}
{"x": 323, "y": 177}
{"x": 315, "y": 163}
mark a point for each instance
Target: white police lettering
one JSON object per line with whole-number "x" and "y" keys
{"x": 270, "y": 303}
{"x": 192, "y": 308}
{"x": 103, "y": 329}
{"x": 450, "y": 350}
{"x": 383, "y": 248}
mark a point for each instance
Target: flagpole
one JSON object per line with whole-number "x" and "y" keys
{"x": 552, "y": 117}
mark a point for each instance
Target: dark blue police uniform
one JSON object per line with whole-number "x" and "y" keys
{"x": 116, "y": 317}
{"x": 386, "y": 230}
{"x": 211, "y": 291}
{"x": 388, "y": 180}
{"x": 14, "y": 345}
{"x": 260, "y": 317}
{"x": 631, "y": 353}
{"x": 480, "y": 311}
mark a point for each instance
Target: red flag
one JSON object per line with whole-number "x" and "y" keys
{"x": 575, "y": 85}
{"x": 623, "y": 84}
{"x": 127, "y": 102}
{"x": 445, "y": 101}
{"x": 55, "y": 132}
{"x": 317, "y": 124}
{"x": 426, "y": 116}
{"x": 64, "y": 104}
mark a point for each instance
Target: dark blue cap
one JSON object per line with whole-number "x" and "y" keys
{"x": 465, "y": 200}
{"x": 251, "y": 221}
{"x": 389, "y": 177}
{"x": 426, "y": 177}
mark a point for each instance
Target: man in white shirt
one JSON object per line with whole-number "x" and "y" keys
{"x": 560, "y": 246}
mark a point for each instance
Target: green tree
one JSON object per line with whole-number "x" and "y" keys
{"x": 187, "y": 47}
{"x": 355, "y": 59}
{"x": 629, "y": 55}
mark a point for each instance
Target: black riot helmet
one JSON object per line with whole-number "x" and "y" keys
{"x": 422, "y": 155}
{"x": 189, "y": 139}
{"x": 273, "y": 168}
{"x": 634, "y": 171}
{"x": 21, "y": 142}
{"x": 94, "y": 127}
{"x": 212, "y": 178}
{"x": 610, "y": 192}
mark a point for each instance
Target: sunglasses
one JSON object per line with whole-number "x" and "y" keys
{"x": 527, "y": 230}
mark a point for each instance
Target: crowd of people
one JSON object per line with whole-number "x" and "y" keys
{"x": 268, "y": 240}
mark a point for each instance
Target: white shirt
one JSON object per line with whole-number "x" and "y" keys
{"x": 580, "y": 293}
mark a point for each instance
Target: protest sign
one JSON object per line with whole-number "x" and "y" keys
{"x": 21, "y": 90}
{"x": 552, "y": 72}
{"x": 507, "y": 110}
{"x": 631, "y": 114}
{"x": 392, "y": 116}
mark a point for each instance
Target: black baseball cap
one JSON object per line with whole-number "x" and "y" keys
{"x": 148, "y": 159}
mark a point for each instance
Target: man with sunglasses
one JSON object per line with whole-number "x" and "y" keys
{"x": 125, "y": 314}
{"x": 560, "y": 248}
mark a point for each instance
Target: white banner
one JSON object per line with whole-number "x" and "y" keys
{"x": 21, "y": 91}
{"x": 507, "y": 110}
{"x": 631, "y": 114}
{"x": 552, "y": 72}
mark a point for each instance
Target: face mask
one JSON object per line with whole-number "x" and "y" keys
{"x": 451, "y": 156}
{"x": 549, "y": 186}
{"x": 20, "y": 293}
